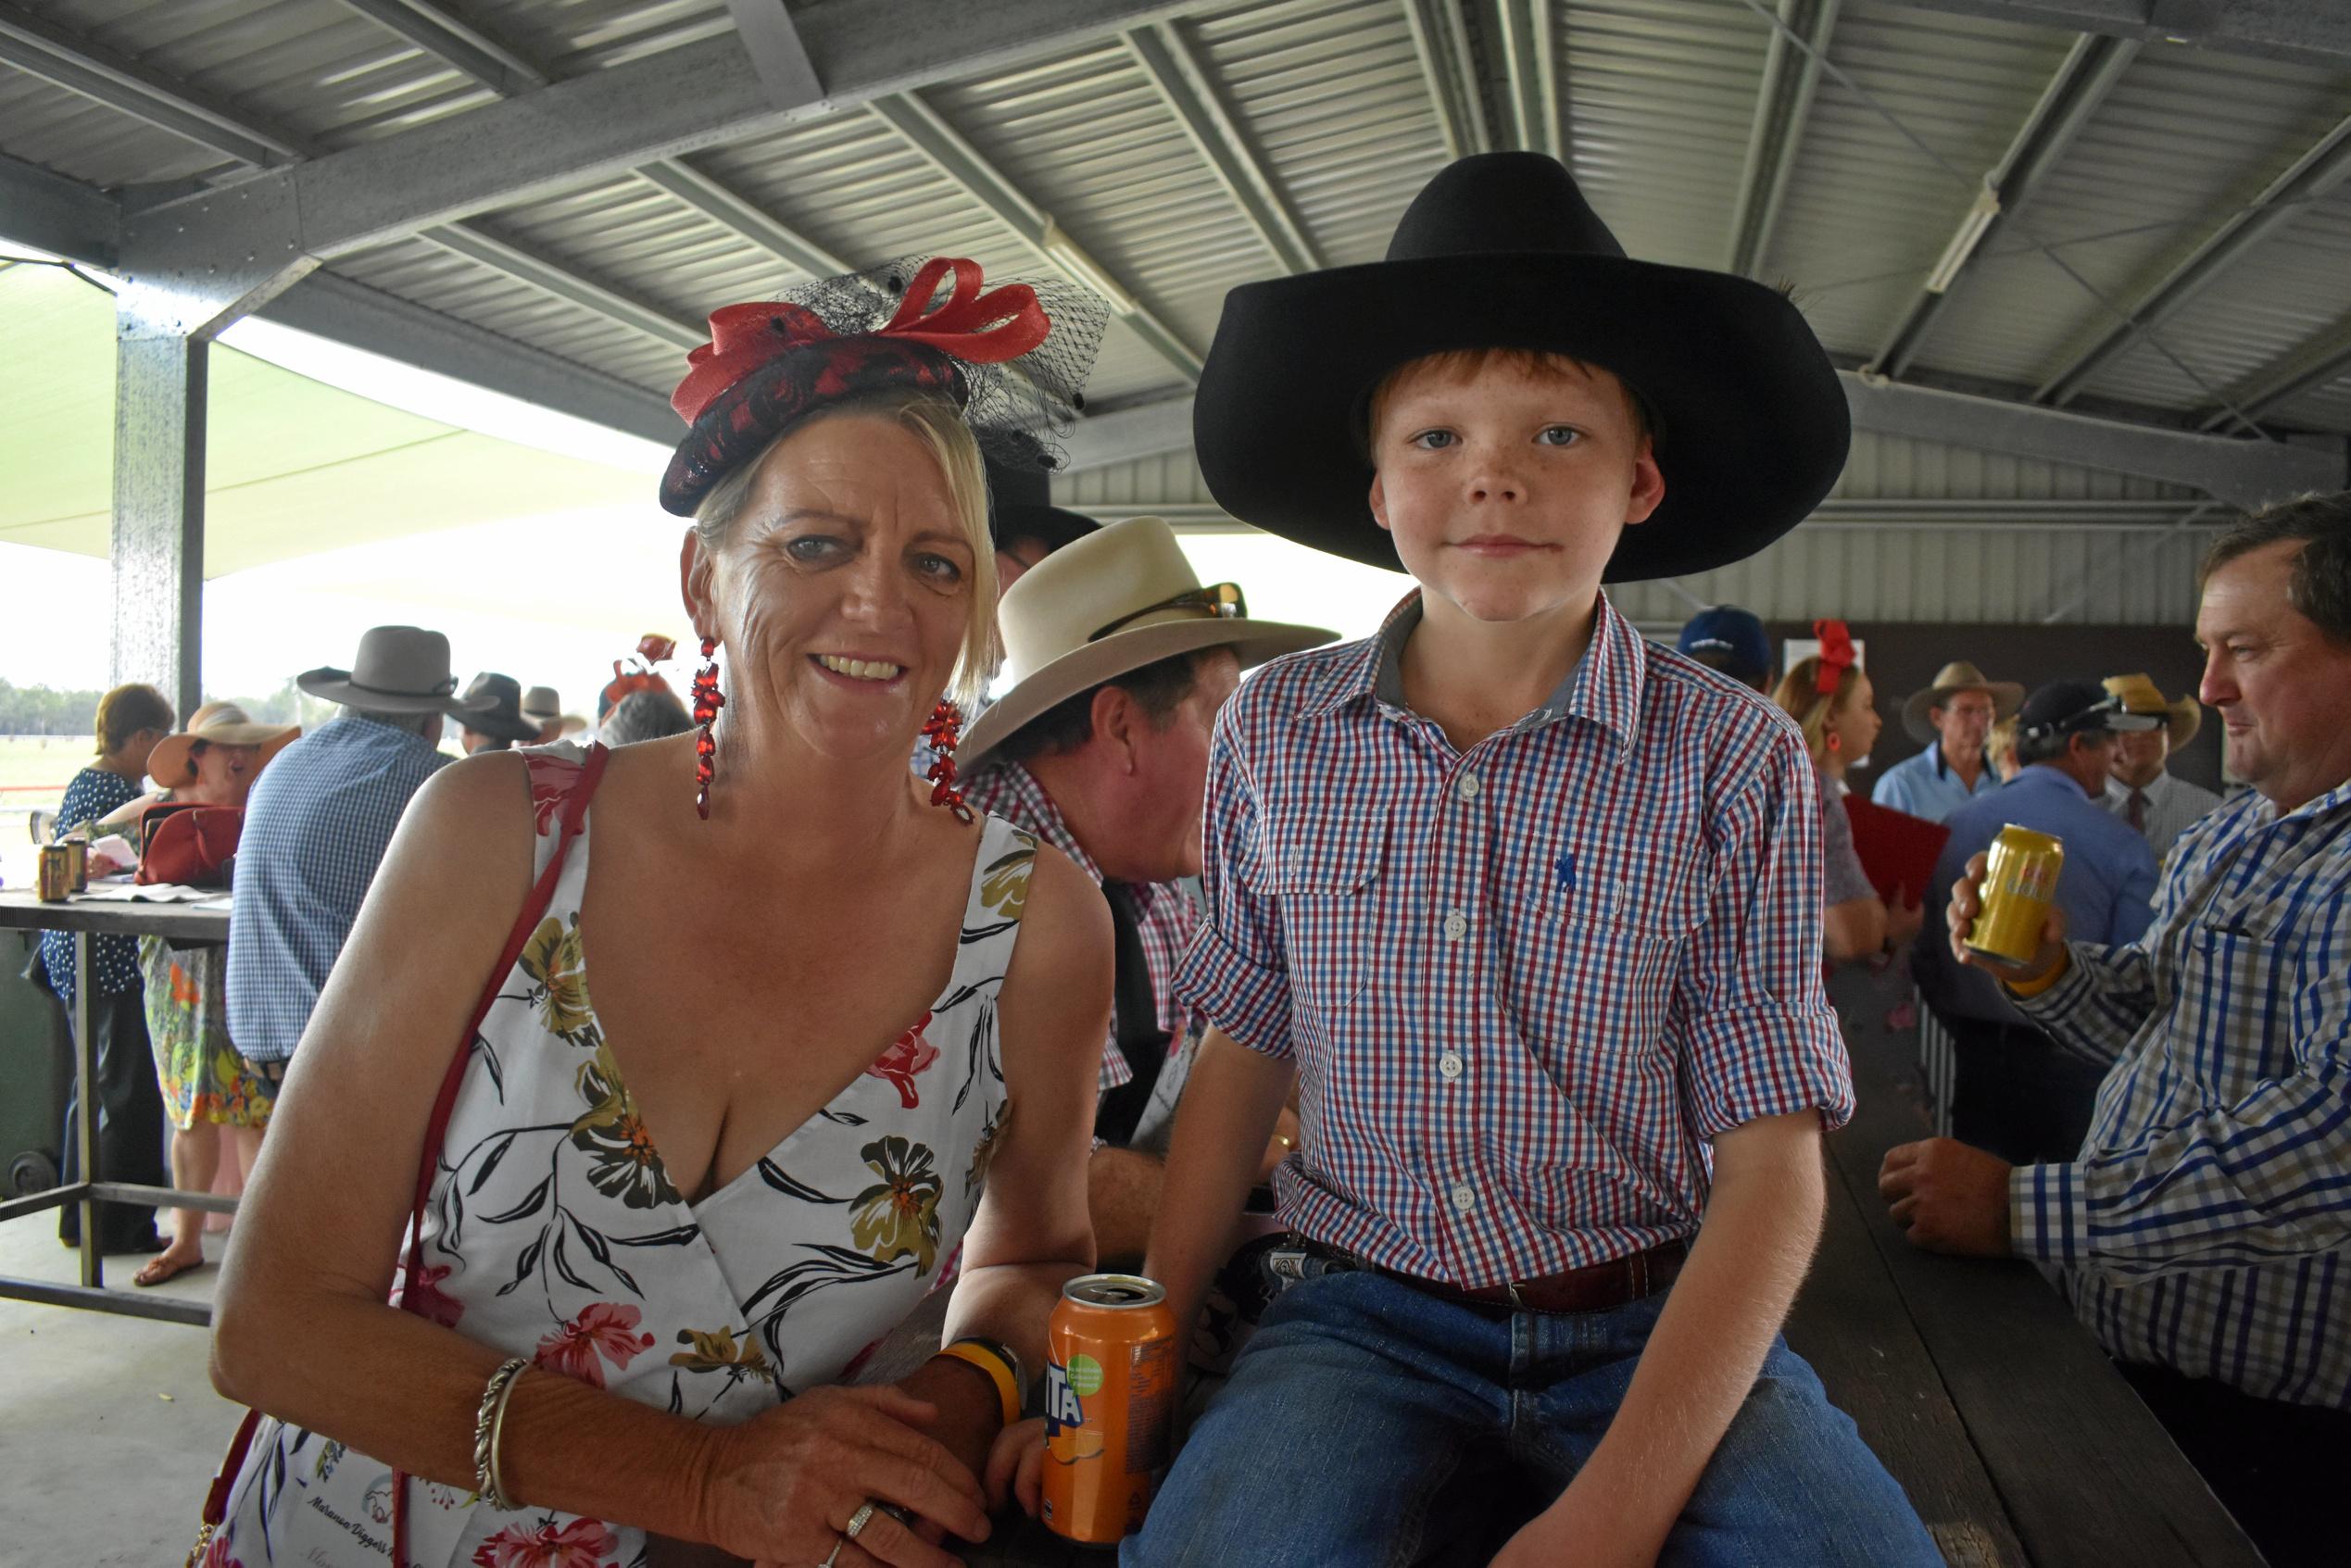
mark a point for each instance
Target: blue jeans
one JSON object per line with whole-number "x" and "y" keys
{"x": 1371, "y": 1425}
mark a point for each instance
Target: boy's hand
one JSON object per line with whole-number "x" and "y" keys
{"x": 1948, "y": 1197}
{"x": 1966, "y": 903}
{"x": 1582, "y": 1529}
{"x": 1016, "y": 1466}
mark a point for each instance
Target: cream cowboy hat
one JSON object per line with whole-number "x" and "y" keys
{"x": 2141, "y": 695}
{"x": 216, "y": 724}
{"x": 1106, "y": 606}
{"x": 1952, "y": 678}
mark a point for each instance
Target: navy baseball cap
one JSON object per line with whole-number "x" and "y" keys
{"x": 2069, "y": 708}
{"x": 1734, "y": 636}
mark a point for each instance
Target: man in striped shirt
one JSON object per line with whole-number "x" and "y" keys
{"x": 2203, "y": 1231}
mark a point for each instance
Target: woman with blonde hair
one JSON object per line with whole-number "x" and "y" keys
{"x": 1830, "y": 698}
{"x": 620, "y": 1138}
{"x": 212, "y": 1100}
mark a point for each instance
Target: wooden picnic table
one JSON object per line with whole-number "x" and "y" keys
{"x": 183, "y": 926}
{"x": 2019, "y": 1443}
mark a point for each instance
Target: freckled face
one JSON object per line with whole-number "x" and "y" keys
{"x": 842, "y": 596}
{"x": 1507, "y": 489}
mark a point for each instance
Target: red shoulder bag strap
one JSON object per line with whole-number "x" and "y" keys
{"x": 576, "y": 804}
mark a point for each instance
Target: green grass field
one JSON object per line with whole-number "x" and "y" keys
{"x": 34, "y": 769}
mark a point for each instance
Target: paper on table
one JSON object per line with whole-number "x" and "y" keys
{"x": 153, "y": 892}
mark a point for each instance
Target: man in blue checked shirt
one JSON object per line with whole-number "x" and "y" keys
{"x": 315, "y": 834}
{"x": 2204, "y": 1230}
{"x": 1530, "y": 910}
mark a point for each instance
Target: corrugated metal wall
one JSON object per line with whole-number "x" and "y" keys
{"x": 1915, "y": 531}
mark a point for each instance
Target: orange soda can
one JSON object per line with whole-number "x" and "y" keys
{"x": 1110, "y": 1405}
{"x": 2019, "y": 884}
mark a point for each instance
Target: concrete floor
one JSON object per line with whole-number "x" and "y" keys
{"x": 109, "y": 1430}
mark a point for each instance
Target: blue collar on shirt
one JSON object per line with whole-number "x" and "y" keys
{"x": 1604, "y": 688}
{"x": 2041, "y": 775}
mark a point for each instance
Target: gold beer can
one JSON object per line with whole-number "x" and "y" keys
{"x": 55, "y": 877}
{"x": 2019, "y": 884}
{"x": 78, "y": 862}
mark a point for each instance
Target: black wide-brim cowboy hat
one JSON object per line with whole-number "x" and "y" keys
{"x": 1502, "y": 251}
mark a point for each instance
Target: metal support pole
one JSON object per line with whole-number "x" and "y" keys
{"x": 86, "y": 1071}
{"x": 159, "y": 506}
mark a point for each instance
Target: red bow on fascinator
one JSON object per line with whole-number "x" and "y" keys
{"x": 651, "y": 649}
{"x": 1836, "y": 654}
{"x": 982, "y": 329}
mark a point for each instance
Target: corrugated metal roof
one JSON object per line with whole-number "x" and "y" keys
{"x": 1334, "y": 100}
{"x": 1868, "y": 211}
{"x": 1659, "y": 96}
{"x": 2184, "y": 140}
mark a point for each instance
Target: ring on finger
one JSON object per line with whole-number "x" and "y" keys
{"x": 858, "y": 1521}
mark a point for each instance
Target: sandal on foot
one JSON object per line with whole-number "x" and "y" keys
{"x": 161, "y": 1268}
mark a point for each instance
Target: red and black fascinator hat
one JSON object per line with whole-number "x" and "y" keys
{"x": 1012, "y": 358}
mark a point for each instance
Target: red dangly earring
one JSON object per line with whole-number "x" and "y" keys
{"x": 708, "y": 700}
{"x": 1836, "y": 743}
{"x": 940, "y": 728}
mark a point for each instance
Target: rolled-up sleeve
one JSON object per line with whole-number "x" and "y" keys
{"x": 1756, "y": 1034}
{"x": 1237, "y": 969}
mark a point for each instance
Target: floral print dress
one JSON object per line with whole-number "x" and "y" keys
{"x": 552, "y": 1231}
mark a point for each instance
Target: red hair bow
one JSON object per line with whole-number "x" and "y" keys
{"x": 980, "y": 329}
{"x": 1836, "y": 654}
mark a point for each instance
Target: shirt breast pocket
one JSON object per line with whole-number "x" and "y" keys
{"x": 1328, "y": 879}
{"x": 1614, "y": 987}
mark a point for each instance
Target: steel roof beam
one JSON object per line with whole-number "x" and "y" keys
{"x": 329, "y": 307}
{"x": 479, "y": 246}
{"x": 457, "y": 44}
{"x": 64, "y": 217}
{"x": 1176, "y": 74}
{"x": 729, "y": 210}
{"x": 2312, "y": 176}
{"x": 946, "y": 150}
{"x": 1783, "y": 106}
{"x": 66, "y": 59}
{"x": 778, "y": 52}
{"x": 2242, "y": 473}
{"x": 2311, "y": 32}
{"x": 2318, "y": 363}
{"x": 1528, "y": 30}
{"x": 2091, "y": 69}
{"x": 1461, "y": 124}
{"x": 594, "y": 126}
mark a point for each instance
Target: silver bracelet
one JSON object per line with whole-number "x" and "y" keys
{"x": 489, "y": 1424}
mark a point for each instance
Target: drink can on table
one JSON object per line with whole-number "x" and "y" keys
{"x": 1110, "y": 1379}
{"x": 78, "y": 862}
{"x": 55, "y": 874}
{"x": 2019, "y": 884}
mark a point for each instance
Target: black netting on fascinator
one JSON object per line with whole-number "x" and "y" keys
{"x": 1014, "y": 357}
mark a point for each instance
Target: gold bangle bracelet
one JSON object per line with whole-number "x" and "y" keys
{"x": 489, "y": 1425}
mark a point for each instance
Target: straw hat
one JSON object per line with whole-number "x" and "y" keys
{"x": 1952, "y": 679}
{"x": 216, "y": 724}
{"x": 399, "y": 670}
{"x": 1106, "y": 606}
{"x": 2141, "y": 695}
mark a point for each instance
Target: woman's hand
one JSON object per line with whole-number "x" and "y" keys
{"x": 1016, "y": 1466}
{"x": 784, "y": 1486}
{"x": 1903, "y": 920}
{"x": 1280, "y": 1146}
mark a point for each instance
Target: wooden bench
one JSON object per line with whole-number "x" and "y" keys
{"x": 2018, "y": 1443}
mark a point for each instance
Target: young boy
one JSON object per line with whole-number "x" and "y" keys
{"x": 1532, "y": 909}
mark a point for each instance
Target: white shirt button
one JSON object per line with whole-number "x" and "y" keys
{"x": 1456, "y": 926}
{"x": 1464, "y": 1198}
{"x": 1468, "y": 788}
{"x": 1450, "y": 1065}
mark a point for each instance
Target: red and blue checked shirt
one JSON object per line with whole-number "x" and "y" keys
{"x": 2206, "y": 1223}
{"x": 1164, "y": 925}
{"x": 1525, "y": 984}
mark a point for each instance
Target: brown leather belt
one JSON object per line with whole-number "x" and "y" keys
{"x": 1596, "y": 1287}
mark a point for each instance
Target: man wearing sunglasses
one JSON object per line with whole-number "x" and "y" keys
{"x": 1118, "y": 659}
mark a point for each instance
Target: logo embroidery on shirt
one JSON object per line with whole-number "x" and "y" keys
{"x": 1565, "y": 868}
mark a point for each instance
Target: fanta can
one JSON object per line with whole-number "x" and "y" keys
{"x": 2019, "y": 884}
{"x": 1111, "y": 1376}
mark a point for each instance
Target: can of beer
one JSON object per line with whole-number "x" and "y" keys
{"x": 2019, "y": 882}
{"x": 78, "y": 862}
{"x": 55, "y": 875}
{"x": 1111, "y": 1383}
